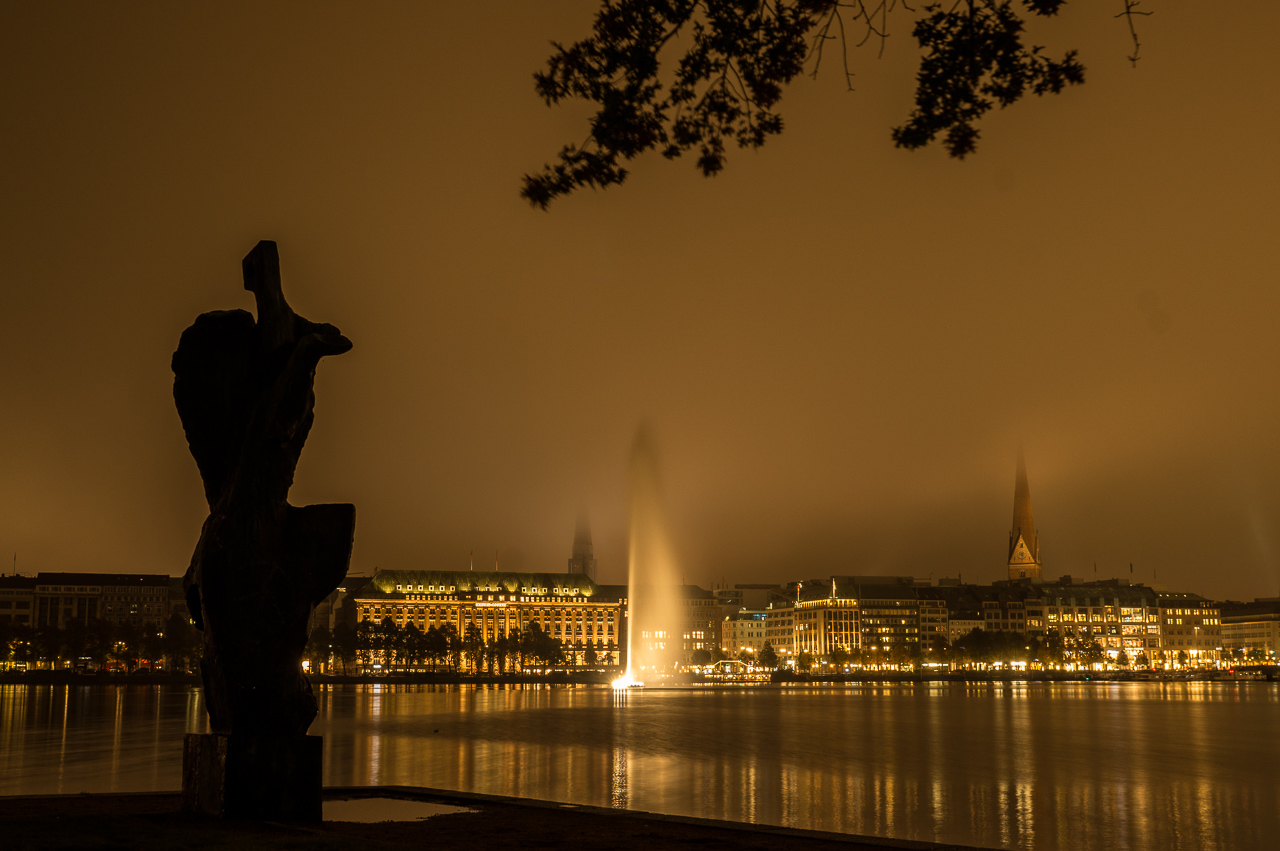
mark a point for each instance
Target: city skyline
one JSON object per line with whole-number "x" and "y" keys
{"x": 839, "y": 367}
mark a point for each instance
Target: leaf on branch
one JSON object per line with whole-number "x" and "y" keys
{"x": 736, "y": 58}
{"x": 974, "y": 59}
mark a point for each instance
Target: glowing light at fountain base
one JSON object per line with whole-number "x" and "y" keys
{"x": 626, "y": 681}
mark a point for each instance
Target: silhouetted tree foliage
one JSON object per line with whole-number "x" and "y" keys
{"x": 768, "y": 656}
{"x": 182, "y": 643}
{"x": 974, "y": 59}
{"x": 473, "y": 644}
{"x": 513, "y": 649}
{"x": 989, "y": 648}
{"x": 319, "y": 646}
{"x": 701, "y": 656}
{"x": 91, "y": 645}
{"x": 700, "y": 76}
{"x": 537, "y": 645}
{"x": 345, "y": 643}
{"x": 1092, "y": 653}
{"x": 415, "y": 646}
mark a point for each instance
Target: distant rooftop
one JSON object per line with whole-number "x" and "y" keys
{"x": 468, "y": 581}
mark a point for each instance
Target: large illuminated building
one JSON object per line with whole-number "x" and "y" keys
{"x": 826, "y": 618}
{"x": 1024, "y": 543}
{"x": 586, "y": 617}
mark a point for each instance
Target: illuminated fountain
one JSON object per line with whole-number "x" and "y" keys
{"x": 653, "y": 622}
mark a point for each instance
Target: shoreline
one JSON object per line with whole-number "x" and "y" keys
{"x": 593, "y": 678}
{"x": 153, "y": 820}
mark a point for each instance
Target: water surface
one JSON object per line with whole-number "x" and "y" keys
{"x": 1034, "y": 766}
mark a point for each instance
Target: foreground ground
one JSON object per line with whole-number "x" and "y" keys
{"x": 154, "y": 821}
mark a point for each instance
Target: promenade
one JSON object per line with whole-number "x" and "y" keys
{"x": 154, "y": 822}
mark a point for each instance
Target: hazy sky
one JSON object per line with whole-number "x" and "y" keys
{"x": 839, "y": 345}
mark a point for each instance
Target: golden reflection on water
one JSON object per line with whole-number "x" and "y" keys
{"x": 1021, "y": 766}
{"x": 1034, "y": 766}
{"x": 65, "y": 740}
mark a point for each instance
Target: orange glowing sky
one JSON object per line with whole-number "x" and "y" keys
{"x": 840, "y": 345}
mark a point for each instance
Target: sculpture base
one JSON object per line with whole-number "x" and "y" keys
{"x": 252, "y": 777}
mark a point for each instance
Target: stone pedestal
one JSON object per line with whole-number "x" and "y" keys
{"x": 252, "y": 777}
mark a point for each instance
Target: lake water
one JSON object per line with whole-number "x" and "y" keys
{"x": 1034, "y": 766}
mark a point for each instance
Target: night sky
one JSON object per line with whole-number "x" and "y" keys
{"x": 839, "y": 346}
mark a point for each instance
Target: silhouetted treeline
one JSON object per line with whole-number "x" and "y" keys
{"x": 409, "y": 648}
{"x": 988, "y": 648}
{"x": 978, "y": 648}
{"x": 101, "y": 644}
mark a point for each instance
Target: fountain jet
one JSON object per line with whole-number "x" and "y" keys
{"x": 654, "y": 624}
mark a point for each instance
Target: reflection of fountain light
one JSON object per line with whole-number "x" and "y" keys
{"x": 653, "y": 609}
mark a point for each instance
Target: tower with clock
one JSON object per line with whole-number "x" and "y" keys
{"x": 1024, "y": 543}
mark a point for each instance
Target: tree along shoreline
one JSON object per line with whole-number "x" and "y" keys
{"x": 145, "y": 677}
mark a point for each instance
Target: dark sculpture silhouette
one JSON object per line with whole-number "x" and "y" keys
{"x": 244, "y": 392}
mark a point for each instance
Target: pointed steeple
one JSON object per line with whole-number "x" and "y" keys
{"x": 583, "y": 559}
{"x": 1024, "y": 544}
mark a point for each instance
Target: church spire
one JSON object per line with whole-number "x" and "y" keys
{"x": 1024, "y": 544}
{"x": 583, "y": 560}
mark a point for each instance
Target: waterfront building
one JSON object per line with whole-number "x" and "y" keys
{"x": 131, "y": 598}
{"x": 1189, "y": 624}
{"x": 583, "y": 560}
{"x": 1117, "y": 616}
{"x": 779, "y": 628}
{"x": 729, "y": 599}
{"x": 1024, "y": 543}
{"x": 61, "y": 599}
{"x": 961, "y": 605}
{"x": 17, "y": 599}
{"x": 1252, "y": 629}
{"x": 754, "y": 596}
{"x": 828, "y": 616}
{"x": 935, "y": 622}
{"x": 961, "y": 623}
{"x": 890, "y": 611}
{"x": 1003, "y": 610}
{"x": 700, "y": 615}
{"x": 744, "y": 630}
{"x": 571, "y": 608}
{"x": 856, "y": 613}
